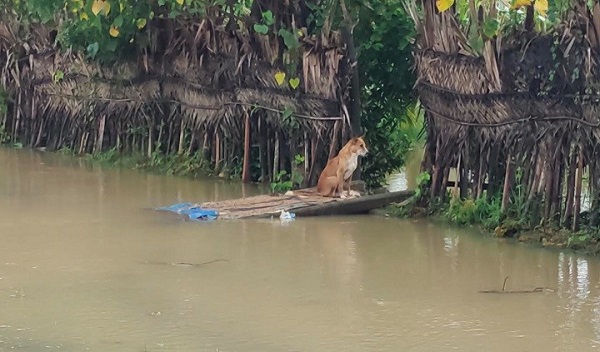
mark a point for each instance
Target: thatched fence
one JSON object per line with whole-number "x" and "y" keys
{"x": 197, "y": 88}
{"x": 520, "y": 120}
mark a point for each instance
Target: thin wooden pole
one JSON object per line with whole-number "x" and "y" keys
{"x": 579, "y": 180}
{"x": 436, "y": 170}
{"x": 217, "y": 151}
{"x": 458, "y": 178}
{"x": 276, "y": 155}
{"x": 570, "y": 189}
{"x": 306, "y": 158}
{"x": 263, "y": 150}
{"x": 334, "y": 140}
{"x": 99, "y": 141}
{"x": 246, "y": 165}
{"x": 180, "y": 147}
{"x": 507, "y": 182}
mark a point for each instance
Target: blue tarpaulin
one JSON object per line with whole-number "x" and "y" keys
{"x": 193, "y": 211}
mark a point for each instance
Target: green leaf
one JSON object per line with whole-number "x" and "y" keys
{"x": 287, "y": 113}
{"x": 111, "y": 45}
{"x": 140, "y": 23}
{"x": 294, "y": 82}
{"x": 261, "y": 28}
{"x": 267, "y": 17}
{"x": 118, "y": 22}
{"x": 289, "y": 39}
{"x": 58, "y": 76}
{"x": 92, "y": 49}
{"x": 490, "y": 27}
{"x": 280, "y": 77}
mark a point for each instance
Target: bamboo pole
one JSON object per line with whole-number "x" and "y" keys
{"x": 276, "y": 155}
{"x": 160, "y": 134}
{"x": 442, "y": 187}
{"x": 18, "y": 119}
{"x": 40, "y": 133}
{"x": 458, "y": 178}
{"x": 483, "y": 169}
{"x": 507, "y": 184}
{"x": 263, "y": 153}
{"x": 436, "y": 170}
{"x": 557, "y": 188}
{"x": 190, "y": 149}
{"x": 464, "y": 179}
{"x": 334, "y": 140}
{"x": 270, "y": 157}
{"x": 313, "y": 158}
{"x": 306, "y": 159}
{"x": 100, "y": 137}
{"x": 548, "y": 189}
{"x": 217, "y": 151}
{"x": 150, "y": 139}
{"x": 578, "y": 182}
{"x": 246, "y": 164}
{"x": 476, "y": 175}
{"x": 181, "y": 142}
{"x": 566, "y": 220}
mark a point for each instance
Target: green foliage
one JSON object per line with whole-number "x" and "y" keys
{"x": 110, "y": 29}
{"x": 578, "y": 239}
{"x": 479, "y": 211}
{"x": 587, "y": 239}
{"x": 422, "y": 182}
{"x": 383, "y": 36}
{"x": 316, "y": 19}
{"x": 267, "y": 21}
{"x": 283, "y": 182}
{"x": 172, "y": 164}
{"x": 506, "y": 18}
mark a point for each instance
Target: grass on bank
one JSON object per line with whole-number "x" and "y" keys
{"x": 516, "y": 222}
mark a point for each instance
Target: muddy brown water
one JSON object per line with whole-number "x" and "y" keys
{"x": 86, "y": 266}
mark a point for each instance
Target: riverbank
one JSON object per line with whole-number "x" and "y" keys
{"x": 487, "y": 219}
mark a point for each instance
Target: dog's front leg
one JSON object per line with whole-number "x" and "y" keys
{"x": 349, "y": 185}
{"x": 340, "y": 182}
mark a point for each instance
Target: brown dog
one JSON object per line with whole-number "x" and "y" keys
{"x": 340, "y": 169}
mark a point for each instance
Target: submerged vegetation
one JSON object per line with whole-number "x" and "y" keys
{"x": 243, "y": 86}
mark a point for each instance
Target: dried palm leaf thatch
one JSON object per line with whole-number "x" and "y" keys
{"x": 525, "y": 121}
{"x": 190, "y": 90}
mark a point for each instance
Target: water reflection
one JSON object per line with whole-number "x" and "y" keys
{"x": 75, "y": 275}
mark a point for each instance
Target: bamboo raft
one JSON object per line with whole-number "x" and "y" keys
{"x": 265, "y": 206}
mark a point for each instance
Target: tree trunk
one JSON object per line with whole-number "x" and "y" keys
{"x": 355, "y": 107}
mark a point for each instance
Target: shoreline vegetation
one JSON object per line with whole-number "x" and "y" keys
{"x": 513, "y": 116}
{"x": 487, "y": 217}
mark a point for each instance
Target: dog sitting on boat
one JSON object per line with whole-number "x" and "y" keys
{"x": 339, "y": 170}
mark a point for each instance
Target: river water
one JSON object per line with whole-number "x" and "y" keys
{"x": 86, "y": 265}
